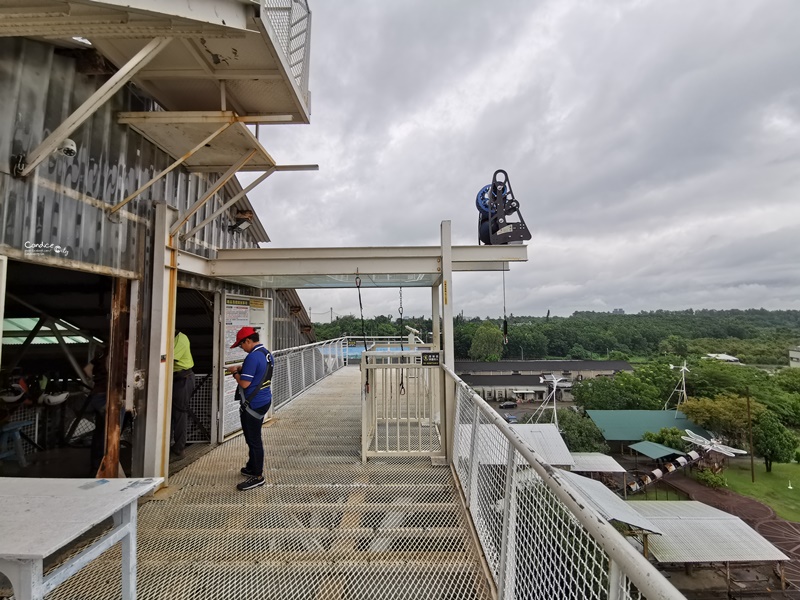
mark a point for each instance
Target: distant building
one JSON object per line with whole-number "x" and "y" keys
{"x": 794, "y": 357}
{"x": 519, "y": 379}
{"x": 723, "y": 357}
{"x": 621, "y": 428}
{"x": 618, "y": 311}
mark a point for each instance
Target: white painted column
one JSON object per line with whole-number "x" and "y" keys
{"x": 435, "y": 316}
{"x": 447, "y": 329}
{"x": 436, "y": 375}
{"x": 3, "y": 271}
{"x": 162, "y": 326}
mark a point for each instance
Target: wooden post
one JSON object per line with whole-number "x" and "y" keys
{"x": 117, "y": 366}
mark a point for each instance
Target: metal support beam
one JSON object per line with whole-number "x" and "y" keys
{"x": 224, "y": 178}
{"x": 325, "y": 266}
{"x": 87, "y": 109}
{"x": 3, "y": 271}
{"x": 227, "y": 205}
{"x": 436, "y": 318}
{"x": 174, "y": 165}
{"x": 72, "y": 360}
{"x": 173, "y": 117}
{"x": 159, "y": 366}
{"x": 447, "y": 329}
{"x": 27, "y": 343}
{"x": 460, "y": 254}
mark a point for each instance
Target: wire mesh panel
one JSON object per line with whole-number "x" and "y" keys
{"x": 199, "y": 426}
{"x": 536, "y": 544}
{"x": 297, "y": 369}
{"x": 291, "y": 22}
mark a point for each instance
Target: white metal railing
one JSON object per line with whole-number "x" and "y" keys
{"x": 539, "y": 537}
{"x": 399, "y": 408}
{"x": 381, "y": 343}
{"x": 297, "y": 369}
{"x": 291, "y": 22}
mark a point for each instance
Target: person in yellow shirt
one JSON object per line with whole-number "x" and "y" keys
{"x": 182, "y": 389}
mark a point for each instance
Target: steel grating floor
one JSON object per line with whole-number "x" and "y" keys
{"x": 324, "y": 527}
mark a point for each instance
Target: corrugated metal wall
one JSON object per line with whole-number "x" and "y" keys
{"x": 62, "y": 203}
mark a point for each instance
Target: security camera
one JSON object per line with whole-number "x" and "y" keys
{"x": 67, "y": 148}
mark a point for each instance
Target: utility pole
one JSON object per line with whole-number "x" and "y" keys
{"x": 750, "y": 429}
{"x": 331, "y": 314}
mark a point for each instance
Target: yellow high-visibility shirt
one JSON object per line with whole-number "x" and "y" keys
{"x": 182, "y": 353}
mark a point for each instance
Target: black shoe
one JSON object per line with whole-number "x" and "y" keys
{"x": 248, "y": 473}
{"x": 251, "y": 483}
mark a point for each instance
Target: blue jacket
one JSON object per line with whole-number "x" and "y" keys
{"x": 258, "y": 362}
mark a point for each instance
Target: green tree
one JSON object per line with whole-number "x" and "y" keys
{"x": 487, "y": 343}
{"x": 788, "y": 380}
{"x": 667, "y": 436}
{"x": 772, "y": 440}
{"x": 580, "y": 433}
{"x": 578, "y": 352}
{"x": 462, "y": 338}
{"x": 725, "y": 415}
{"x": 622, "y": 392}
{"x": 674, "y": 344}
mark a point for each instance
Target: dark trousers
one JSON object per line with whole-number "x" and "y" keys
{"x": 251, "y": 428}
{"x": 182, "y": 388}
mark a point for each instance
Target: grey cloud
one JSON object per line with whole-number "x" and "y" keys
{"x": 652, "y": 145}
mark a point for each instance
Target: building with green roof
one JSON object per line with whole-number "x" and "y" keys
{"x": 623, "y": 427}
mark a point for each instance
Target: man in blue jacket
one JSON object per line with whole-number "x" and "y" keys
{"x": 255, "y": 397}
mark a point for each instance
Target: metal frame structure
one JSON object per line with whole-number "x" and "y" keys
{"x": 399, "y": 412}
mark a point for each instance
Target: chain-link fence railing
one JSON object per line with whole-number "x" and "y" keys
{"x": 291, "y": 22}
{"x": 539, "y": 536}
{"x": 297, "y": 369}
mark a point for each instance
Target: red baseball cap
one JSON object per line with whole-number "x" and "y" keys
{"x": 244, "y": 332}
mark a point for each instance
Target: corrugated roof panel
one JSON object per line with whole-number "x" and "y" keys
{"x": 655, "y": 451}
{"x": 607, "y": 503}
{"x": 631, "y": 425}
{"x": 595, "y": 462}
{"x": 695, "y": 532}
{"x": 545, "y": 439}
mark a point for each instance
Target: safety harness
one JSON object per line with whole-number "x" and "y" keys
{"x": 263, "y": 384}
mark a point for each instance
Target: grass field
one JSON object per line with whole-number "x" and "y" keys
{"x": 771, "y": 488}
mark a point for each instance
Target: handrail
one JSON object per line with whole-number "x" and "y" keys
{"x": 634, "y": 565}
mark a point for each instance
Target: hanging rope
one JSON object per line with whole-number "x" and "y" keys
{"x": 505, "y": 320}
{"x": 402, "y": 386}
{"x": 363, "y": 331}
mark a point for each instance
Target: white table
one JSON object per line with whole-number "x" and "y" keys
{"x": 40, "y": 516}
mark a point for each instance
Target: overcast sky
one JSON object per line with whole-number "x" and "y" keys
{"x": 654, "y": 147}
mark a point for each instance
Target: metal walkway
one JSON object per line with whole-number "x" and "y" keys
{"x": 324, "y": 527}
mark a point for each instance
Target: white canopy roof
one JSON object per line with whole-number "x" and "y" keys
{"x": 693, "y": 532}
{"x": 595, "y": 462}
